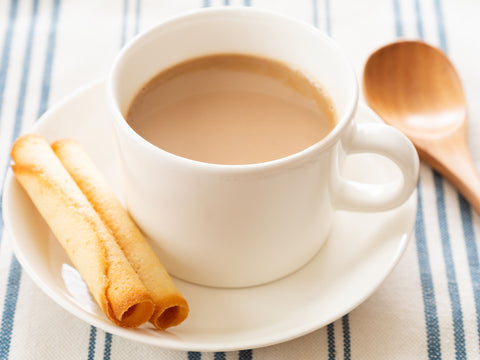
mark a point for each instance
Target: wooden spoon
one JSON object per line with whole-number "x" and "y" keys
{"x": 415, "y": 88}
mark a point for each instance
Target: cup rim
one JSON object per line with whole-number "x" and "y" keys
{"x": 324, "y": 143}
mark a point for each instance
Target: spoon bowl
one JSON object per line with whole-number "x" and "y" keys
{"x": 414, "y": 87}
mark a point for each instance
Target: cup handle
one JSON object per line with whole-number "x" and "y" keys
{"x": 384, "y": 140}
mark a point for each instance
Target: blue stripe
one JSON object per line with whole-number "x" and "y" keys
{"x": 219, "y": 356}
{"x": 107, "y": 348}
{"x": 194, "y": 355}
{"x": 25, "y": 73}
{"x": 137, "y": 16}
{"x": 328, "y": 18}
{"x": 346, "y": 337}
{"x": 426, "y": 280}
{"x": 315, "y": 12}
{"x": 47, "y": 71}
{"x": 418, "y": 13}
{"x": 440, "y": 25}
{"x": 397, "y": 14}
{"x": 457, "y": 314}
{"x": 206, "y": 3}
{"x": 10, "y": 304}
{"x": 458, "y": 330}
{"x": 123, "y": 38}
{"x": 472, "y": 254}
{"x": 91, "y": 343}
{"x": 247, "y": 2}
{"x": 331, "y": 341}
{"x": 7, "y": 44}
{"x": 15, "y": 273}
{"x": 245, "y": 355}
{"x": 22, "y": 93}
{"x": 226, "y": 2}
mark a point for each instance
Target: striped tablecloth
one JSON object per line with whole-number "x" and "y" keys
{"x": 429, "y": 307}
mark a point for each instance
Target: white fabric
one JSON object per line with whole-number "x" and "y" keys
{"x": 395, "y": 321}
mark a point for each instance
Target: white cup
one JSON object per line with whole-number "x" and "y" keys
{"x": 243, "y": 225}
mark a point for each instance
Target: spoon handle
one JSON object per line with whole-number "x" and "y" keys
{"x": 451, "y": 158}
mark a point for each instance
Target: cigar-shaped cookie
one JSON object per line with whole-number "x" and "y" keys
{"x": 170, "y": 306}
{"x": 88, "y": 242}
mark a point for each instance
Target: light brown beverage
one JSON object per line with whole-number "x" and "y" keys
{"x": 231, "y": 109}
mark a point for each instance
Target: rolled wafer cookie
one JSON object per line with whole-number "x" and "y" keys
{"x": 170, "y": 306}
{"x": 88, "y": 242}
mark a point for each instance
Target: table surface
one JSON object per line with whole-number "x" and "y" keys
{"x": 429, "y": 307}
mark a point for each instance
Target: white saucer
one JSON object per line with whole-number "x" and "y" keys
{"x": 362, "y": 250}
